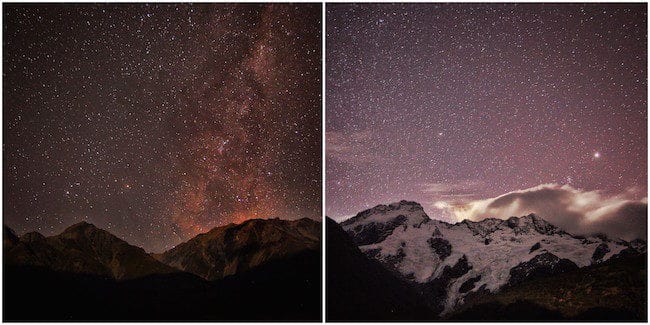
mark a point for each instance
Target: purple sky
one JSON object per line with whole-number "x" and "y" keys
{"x": 452, "y": 103}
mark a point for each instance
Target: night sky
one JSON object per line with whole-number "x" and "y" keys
{"x": 158, "y": 122}
{"x": 452, "y": 104}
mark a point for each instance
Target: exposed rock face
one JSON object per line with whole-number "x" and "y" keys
{"x": 84, "y": 248}
{"x": 459, "y": 269}
{"x": 626, "y": 253}
{"x": 600, "y": 252}
{"x": 393, "y": 260}
{"x": 469, "y": 284}
{"x": 234, "y": 248}
{"x": 484, "y": 227}
{"x": 543, "y": 264}
{"x": 535, "y": 247}
{"x": 531, "y": 223}
{"x": 639, "y": 245}
{"x": 454, "y": 261}
{"x": 440, "y": 246}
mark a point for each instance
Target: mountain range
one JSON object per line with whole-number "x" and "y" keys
{"x": 81, "y": 248}
{"x": 456, "y": 265}
{"x": 247, "y": 271}
{"x": 234, "y": 248}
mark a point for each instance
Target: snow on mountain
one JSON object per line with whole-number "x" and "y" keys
{"x": 473, "y": 256}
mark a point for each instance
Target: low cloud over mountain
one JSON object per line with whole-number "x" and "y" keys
{"x": 581, "y": 212}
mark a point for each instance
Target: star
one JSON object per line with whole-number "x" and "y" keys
{"x": 510, "y": 105}
{"x": 167, "y": 119}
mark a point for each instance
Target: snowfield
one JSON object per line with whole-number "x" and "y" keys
{"x": 404, "y": 238}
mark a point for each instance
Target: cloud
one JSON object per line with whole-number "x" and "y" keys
{"x": 452, "y": 193}
{"x": 354, "y": 148}
{"x": 574, "y": 210}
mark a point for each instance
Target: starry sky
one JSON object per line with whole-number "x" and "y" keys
{"x": 451, "y": 104}
{"x": 159, "y": 122}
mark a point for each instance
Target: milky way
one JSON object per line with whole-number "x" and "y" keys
{"x": 446, "y": 104}
{"x": 158, "y": 122}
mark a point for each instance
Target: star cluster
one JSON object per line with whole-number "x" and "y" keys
{"x": 160, "y": 121}
{"x": 449, "y": 103}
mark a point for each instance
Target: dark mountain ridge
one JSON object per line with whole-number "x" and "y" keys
{"x": 234, "y": 248}
{"x": 361, "y": 289}
{"x": 86, "y": 273}
{"x": 82, "y": 248}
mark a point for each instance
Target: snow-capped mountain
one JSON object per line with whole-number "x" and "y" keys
{"x": 471, "y": 257}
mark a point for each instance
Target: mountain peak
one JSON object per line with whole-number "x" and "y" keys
{"x": 375, "y": 224}
{"x": 81, "y": 226}
{"x": 483, "y": 227}
{"x": 531, "y": 222}
{"x": 32, "y": 236}
{"x": 84, "y": 248}
{"x": 405, "y": 203}
{"x": 258, "y": 223}
{"x": 411, "y": 212}
{"x": 85, "y": 230}
{"x": 233, "y": 248}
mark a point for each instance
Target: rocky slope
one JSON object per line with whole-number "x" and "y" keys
{"x": 234, "y": 248}
{"x": 454, "y": 261}
{"x": 615, "y": 290}
{"x": 83, "y": 249}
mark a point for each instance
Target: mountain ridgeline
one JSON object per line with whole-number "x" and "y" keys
{"x": 248, "y": 271}
{"x": 234, "y": 248}
{"x": 455, "y": 266}
{"x": 82, "y": 248}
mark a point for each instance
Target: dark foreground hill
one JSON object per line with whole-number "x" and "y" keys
{"x": 287, "y": 287}
{"x": 361, "y": 289}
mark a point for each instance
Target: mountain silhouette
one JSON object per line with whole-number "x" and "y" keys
{"x": 83, "y": 248}
{"x": 87, "y": 274}
{"x": 361, "y": 289}
{"x": 234, "y": 248}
